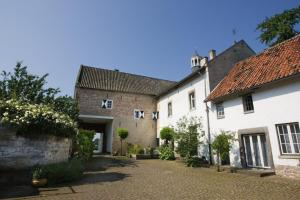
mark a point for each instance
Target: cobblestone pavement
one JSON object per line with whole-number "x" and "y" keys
{"x": 154, "y": 179}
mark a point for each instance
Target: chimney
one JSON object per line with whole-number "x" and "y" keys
{"x": 212, "y": 54}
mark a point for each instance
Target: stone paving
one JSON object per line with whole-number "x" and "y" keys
{"x": 109, "y": 178}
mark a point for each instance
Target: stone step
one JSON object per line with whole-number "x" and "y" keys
{"x": 254, "y": 172}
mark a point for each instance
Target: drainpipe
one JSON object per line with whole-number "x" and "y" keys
{"x": 208, "y": 123}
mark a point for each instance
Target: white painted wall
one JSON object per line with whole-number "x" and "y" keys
{"x": 273, "y": 105}
{"x": 181, "y": 106}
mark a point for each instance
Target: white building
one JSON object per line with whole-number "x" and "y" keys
{"x": 186, "y": 97}
{"x": 259, "y": 100}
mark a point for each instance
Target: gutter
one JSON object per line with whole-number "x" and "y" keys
{"x": 207, "y": 116}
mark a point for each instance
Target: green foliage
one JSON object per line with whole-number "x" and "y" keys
{"x": 167, "y": 134}
{"x": 66, "y": 105}
{"x": 166, "y": 153}
{"x": 38, "y": 172}
{"x": 195, "y": 161}
{"x": 222, "y": 144}
{"x": 279, "y": 27}
{"x": 123, "y": 133}
{"x": 135, "y": 149}
{"x": 61, "y": 172}
{"x": 84, "y": 145}
{"x": 25, "y": 87}
{"x": 20, "y": 86}
{"x": 188, "y": 136}
{"x": 35, "y": 119}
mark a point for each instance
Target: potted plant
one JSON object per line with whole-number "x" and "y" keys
{"x": 38, "y": 177}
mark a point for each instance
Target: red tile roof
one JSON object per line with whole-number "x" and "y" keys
{"x": 275, "y": 63}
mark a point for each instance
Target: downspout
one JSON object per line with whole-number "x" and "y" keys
{"x": 207, "y": 116}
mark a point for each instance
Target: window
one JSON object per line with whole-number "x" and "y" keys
{"x": 155, "y": 115}
{"x": 289, "y": 138}
{"x": 136, "y": 114}
{"x": 192, "y": 100}
{"x": 107, "y": 104}
{"x": 139, "y": 114}
{"x": 248, "y": 103}
{"x": 169, "y": 109}
{"x": 220, "y": 111}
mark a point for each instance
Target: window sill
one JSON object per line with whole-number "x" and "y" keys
{"x": 248, "y": 112}
{"x": 220, "y": 117}
{"x": 289, "y": 156}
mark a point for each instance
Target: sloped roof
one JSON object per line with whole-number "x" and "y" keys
{"x": 112, "y": 80}
{"x": 275, "y": 63}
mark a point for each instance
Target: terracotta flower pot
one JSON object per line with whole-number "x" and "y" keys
{"x": 39, "y": 182}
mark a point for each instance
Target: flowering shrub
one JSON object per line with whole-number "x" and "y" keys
{"x": 35, "y": 119}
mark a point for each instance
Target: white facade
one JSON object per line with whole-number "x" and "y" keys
{"x": 276, "y": 104}
{"x": 180, "y": 101}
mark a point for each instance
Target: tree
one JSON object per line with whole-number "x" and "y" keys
{"x": 188, "y": 136}
{"x": 123, "y": 134}
{"x": 24, "y": 87}
{"x": 279, "y": 27}
{"x": 221, "y": 145}
{"x": 167, "y": 134}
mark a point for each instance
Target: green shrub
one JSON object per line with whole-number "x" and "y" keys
{"x": 30, "y": 119}
{"x": 188, "y": 136}
{"x": 84, "y": 145}
{"x": 123, "y": 134}
{"x": 221, "y": 145}
{"x": 64, "y": 171}
{"x": 135, "y": 149}
{"x": 166, "y": 153}
{"x": 167, "y": 134}
{"x": 194, "y": 161}
{"x": 38, "y": 172}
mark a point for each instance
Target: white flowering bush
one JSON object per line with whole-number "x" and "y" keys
{"x": 35, "y": 119}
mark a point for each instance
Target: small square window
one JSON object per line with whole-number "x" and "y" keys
{"x": 248, "y": 103}
{"x": 137, "y": 114}
{"x": 169, "y": 109}
{"x": 192, "y": 100}
{"x": 107, "y": 104}
{"x": 220, "y": 111}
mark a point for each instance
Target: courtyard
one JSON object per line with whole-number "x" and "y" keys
{"x": 121, "y": 178}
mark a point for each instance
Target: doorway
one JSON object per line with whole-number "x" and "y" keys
{"x": 256, "y": 150}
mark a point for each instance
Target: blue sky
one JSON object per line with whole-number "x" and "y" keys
{"x": 148, "y": 37}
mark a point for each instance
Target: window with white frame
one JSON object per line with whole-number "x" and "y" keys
{"x": 248, "y": 103}
{"x": 136, "y": 114}
{"x": 192, "y": 100}
{"x": 107, "y": 104}
{"x": 170, "y": 109}
{"x": 289, "y": 138}
{"x": 139, "y": 114}
{"x": 220, "y": 111}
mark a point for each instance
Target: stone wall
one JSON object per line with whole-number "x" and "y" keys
{"x": 288, "y": 171}
{"x": 18, "y": 152}
{"x": 141, "y": 131}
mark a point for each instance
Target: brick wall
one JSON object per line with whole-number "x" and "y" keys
{"x": 18, "y": 152}
{"x": 141, "y": 131}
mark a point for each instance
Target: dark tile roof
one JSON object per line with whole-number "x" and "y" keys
{"x": 273, "y": 64}
{"x": 104, "y": 79}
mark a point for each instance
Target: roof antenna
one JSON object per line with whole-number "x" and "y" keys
{"x": 234, "y": 34}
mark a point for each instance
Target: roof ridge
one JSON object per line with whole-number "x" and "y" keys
{"x": 131, "y": 74}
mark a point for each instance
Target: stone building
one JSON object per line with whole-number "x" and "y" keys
{"x": 110, "y": 99}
